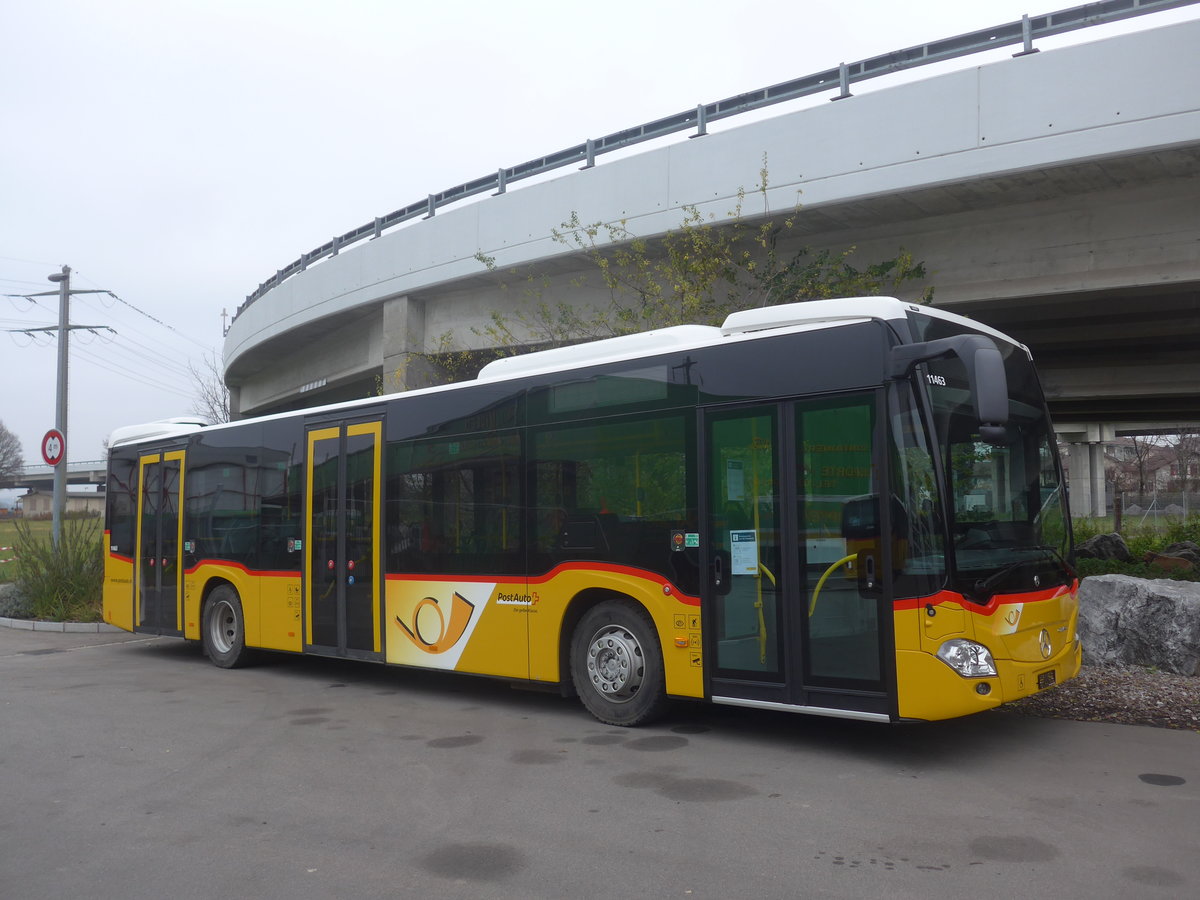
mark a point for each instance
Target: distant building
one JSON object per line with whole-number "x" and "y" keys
{"x": 1133, "y": 466}
{"x": 40, "y": 504}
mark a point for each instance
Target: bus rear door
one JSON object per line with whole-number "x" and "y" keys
{"x": 158, "y": 579}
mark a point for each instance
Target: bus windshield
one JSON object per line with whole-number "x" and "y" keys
{"x": 1009, "y": 530}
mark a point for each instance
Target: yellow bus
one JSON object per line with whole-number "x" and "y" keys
{"x": 851, "y": 508}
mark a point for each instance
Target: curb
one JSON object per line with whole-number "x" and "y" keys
{"x": 68, "y": 627}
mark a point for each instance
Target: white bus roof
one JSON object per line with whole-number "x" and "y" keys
{"x": 750, "y": 321}
{"x": 161, "y": 428}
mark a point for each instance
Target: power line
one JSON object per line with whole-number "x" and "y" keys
{"x": 140, "y": 377}
{"x": 18, "y": 281}
{"x": 127, "y": 327}
{"x": 153, "y": 318}
{"x": 147, "y": 354}
{"x": 147, "y": 357}
{"x": 32, "y": 262}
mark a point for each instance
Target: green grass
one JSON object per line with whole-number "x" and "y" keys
{"x": 8, "y": 538}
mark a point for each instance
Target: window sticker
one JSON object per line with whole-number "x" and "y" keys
{"x": 744, "y": 552}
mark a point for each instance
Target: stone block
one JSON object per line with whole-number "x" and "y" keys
{"x": 1140, "y": 622}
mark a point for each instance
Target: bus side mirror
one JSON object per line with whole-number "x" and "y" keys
{"x": 985, "y": 375}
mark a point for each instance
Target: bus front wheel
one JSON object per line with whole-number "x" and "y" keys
{"x": 617, "y": 665}
{"x": 223, "y": 629}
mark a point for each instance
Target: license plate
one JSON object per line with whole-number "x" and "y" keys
{"x": 1045, "y": 680}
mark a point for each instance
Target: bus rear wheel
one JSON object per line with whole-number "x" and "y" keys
{"x": 617, "y": 665}
{"x": 223, "y": 629}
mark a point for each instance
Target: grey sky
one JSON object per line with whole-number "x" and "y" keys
{"x": 178, "y": 153}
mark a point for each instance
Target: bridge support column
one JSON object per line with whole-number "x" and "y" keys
{"x": 235, "y": 403}
{"x": 403, "y": 339}
{"x": 1096, "y": 463}
{"x": 1085, "y": 475}
{"x": 1080, "y": 480}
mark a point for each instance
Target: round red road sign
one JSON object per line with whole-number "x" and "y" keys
{"x": 54, "y": 447}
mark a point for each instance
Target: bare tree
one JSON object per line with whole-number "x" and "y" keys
{"x": 12, "y": 457}
{"x": 212, "y": 396}
{"x": 1144, "y": 447}
{"x": 1187, "y": 456}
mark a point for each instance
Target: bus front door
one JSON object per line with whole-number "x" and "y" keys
{"x": 342, "y": 585}
{"x": 158, "y": 581}
{"x": 790, "y": 620}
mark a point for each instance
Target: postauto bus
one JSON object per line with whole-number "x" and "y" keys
{"x": 851, "y": 508}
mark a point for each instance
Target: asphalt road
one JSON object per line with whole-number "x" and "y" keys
{"x": 132, "y": 768}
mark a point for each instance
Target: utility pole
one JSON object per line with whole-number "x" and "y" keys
{"x": 64, "y": 292}
{"x": 60, "y": 405}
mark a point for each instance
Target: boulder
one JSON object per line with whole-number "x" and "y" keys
{"x": 1140, "y": 622}
{"x": 1104, "y": 546}
{"x": 13, "y": 603}
{"x": 1189, "y": 550}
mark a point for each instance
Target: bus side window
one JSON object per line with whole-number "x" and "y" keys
{"x": 454, "y": 506}
{"x": 615, "y": 491}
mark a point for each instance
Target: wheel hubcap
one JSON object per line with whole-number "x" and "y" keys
{"x": 222, "y": 629}
{"x": 615, "y": 663}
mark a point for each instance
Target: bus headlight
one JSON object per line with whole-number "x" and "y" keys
{"x": 967, "y": 658}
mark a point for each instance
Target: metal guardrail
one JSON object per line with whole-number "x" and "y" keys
{"x": 1023, "y": 31}
{"x": 86, "y": 465}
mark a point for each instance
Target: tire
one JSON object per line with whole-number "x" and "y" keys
{"x": 223, "y": 629}
{"x": 617, "y": 665}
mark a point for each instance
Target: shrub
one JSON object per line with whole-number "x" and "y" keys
{"x": 1184, "y": 530}
{"x": 62, "y": 583}
{"x": 1140, "y": 539}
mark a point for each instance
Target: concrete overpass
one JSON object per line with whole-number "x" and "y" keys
{"x": 1052, "y": 195}
{"x": 40, "y": 477}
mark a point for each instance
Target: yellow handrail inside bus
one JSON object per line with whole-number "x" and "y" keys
{"x": 812, "y": 606}
{"x": 762, "y": 621}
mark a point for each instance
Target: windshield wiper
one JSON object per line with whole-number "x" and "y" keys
{"x": 985, "y": 586}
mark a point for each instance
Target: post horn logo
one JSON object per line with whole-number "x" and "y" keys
{"x": 430, "y": 631}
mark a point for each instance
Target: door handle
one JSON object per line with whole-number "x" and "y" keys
{"x": 718, "y": 570}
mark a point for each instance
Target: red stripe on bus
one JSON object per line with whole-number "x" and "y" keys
{"x": 256, "y": 573}
{"x": 989, "y": 608}
{"x": 642, "y": 574}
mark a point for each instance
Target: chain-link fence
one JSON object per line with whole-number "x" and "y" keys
{"x": 1155, "y": 506}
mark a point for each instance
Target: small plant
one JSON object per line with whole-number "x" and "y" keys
{"x": 62, "y": 583}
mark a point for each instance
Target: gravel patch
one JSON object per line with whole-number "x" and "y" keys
{"x": 1125, "y": 696}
